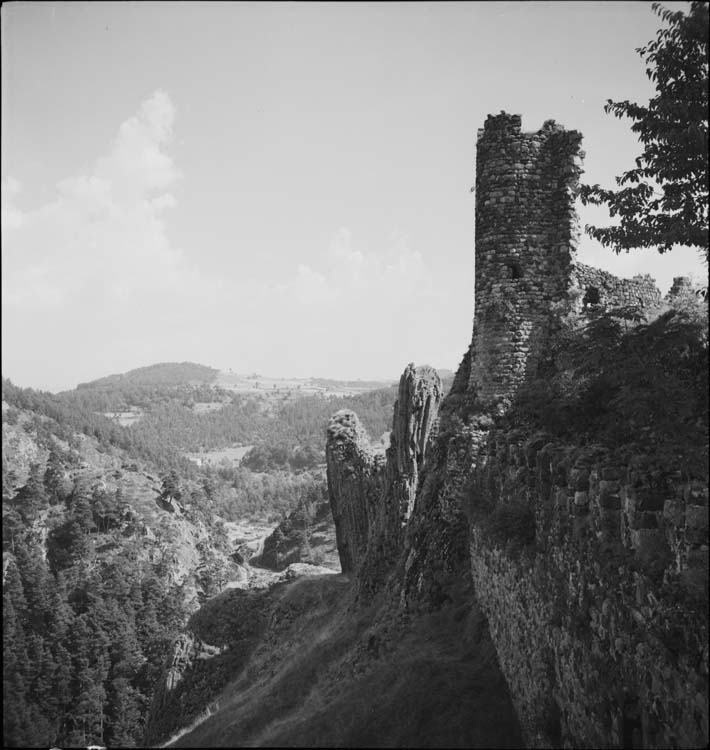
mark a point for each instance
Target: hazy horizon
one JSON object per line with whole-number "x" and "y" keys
{"x": 280, "y": 188}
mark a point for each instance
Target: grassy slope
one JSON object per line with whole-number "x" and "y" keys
{"x": 324, "y": 675}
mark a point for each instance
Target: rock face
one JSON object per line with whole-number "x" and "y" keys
{"x": 306, "y": 535}
{"x": 415, "y": 413}
{"x": 372, "y": 499}
{"x": 355, "y": 473}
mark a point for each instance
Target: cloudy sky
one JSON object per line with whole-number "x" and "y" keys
{"x": 279, "y": 188}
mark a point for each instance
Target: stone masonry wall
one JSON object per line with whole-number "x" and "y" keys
{"x": 526, "y": 237}
{"x": 592, "y": 621}
{"x": 597, "y": 287}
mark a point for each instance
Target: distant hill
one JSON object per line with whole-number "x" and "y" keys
{"x": 164, "y": 373}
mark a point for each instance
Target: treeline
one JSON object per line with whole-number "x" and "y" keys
{"x": 253, "y": 420}
{"x": 123, "y": 396}
{"x": 84, "y": 635}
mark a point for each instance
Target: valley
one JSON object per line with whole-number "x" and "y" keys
{"x": 119, "y": 521}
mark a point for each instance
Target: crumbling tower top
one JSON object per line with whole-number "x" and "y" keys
{"x": 526, "y": 238}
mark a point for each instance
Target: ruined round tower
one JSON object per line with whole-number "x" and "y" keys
{"x": 526, "y": 238}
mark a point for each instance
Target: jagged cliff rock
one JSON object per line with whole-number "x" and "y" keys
{"x": 414, "y": 426}
{"x": 372, "y": 499}
{"x": 355, "y": 473}
{"x": 415, "y": 413}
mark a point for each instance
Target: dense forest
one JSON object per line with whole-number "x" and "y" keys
{"x": 87, "y": 615}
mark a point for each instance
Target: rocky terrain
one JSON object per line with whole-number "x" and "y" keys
{"x": 306, "y": 535}
{"x": 162, "y": 529}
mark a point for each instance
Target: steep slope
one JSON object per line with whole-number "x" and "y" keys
{"x": 323, "y": 675}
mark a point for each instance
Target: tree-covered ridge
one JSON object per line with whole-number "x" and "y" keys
{"x": 170, "y": 426}
{"x": 163, "y": 373}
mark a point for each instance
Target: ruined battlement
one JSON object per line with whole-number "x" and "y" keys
{"x": 596, "y": 287}
{"x": 527, "y": 233}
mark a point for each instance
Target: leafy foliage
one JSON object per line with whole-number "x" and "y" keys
{"x": 673, "y": 129}
{"x": 624, "y": 382}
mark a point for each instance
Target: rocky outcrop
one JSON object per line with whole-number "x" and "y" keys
{"x": 415, "y": 413}
{"x": 218, "y": 640}
{"x": 355, "y": 473}
{"x": 372, "y": 499}
{"x": 305, "y": 535}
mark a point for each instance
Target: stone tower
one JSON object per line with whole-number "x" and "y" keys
{"x": 526, "y": 238}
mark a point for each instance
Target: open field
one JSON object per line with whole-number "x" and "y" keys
{"x": 234, "y": 455}
{"x": 298, "y": 386}
{"x": 124, "y": 418}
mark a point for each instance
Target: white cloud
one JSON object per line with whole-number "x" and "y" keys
{"x": 92, "y": 284}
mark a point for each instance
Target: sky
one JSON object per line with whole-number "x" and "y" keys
{"x": 281, "y": 188}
